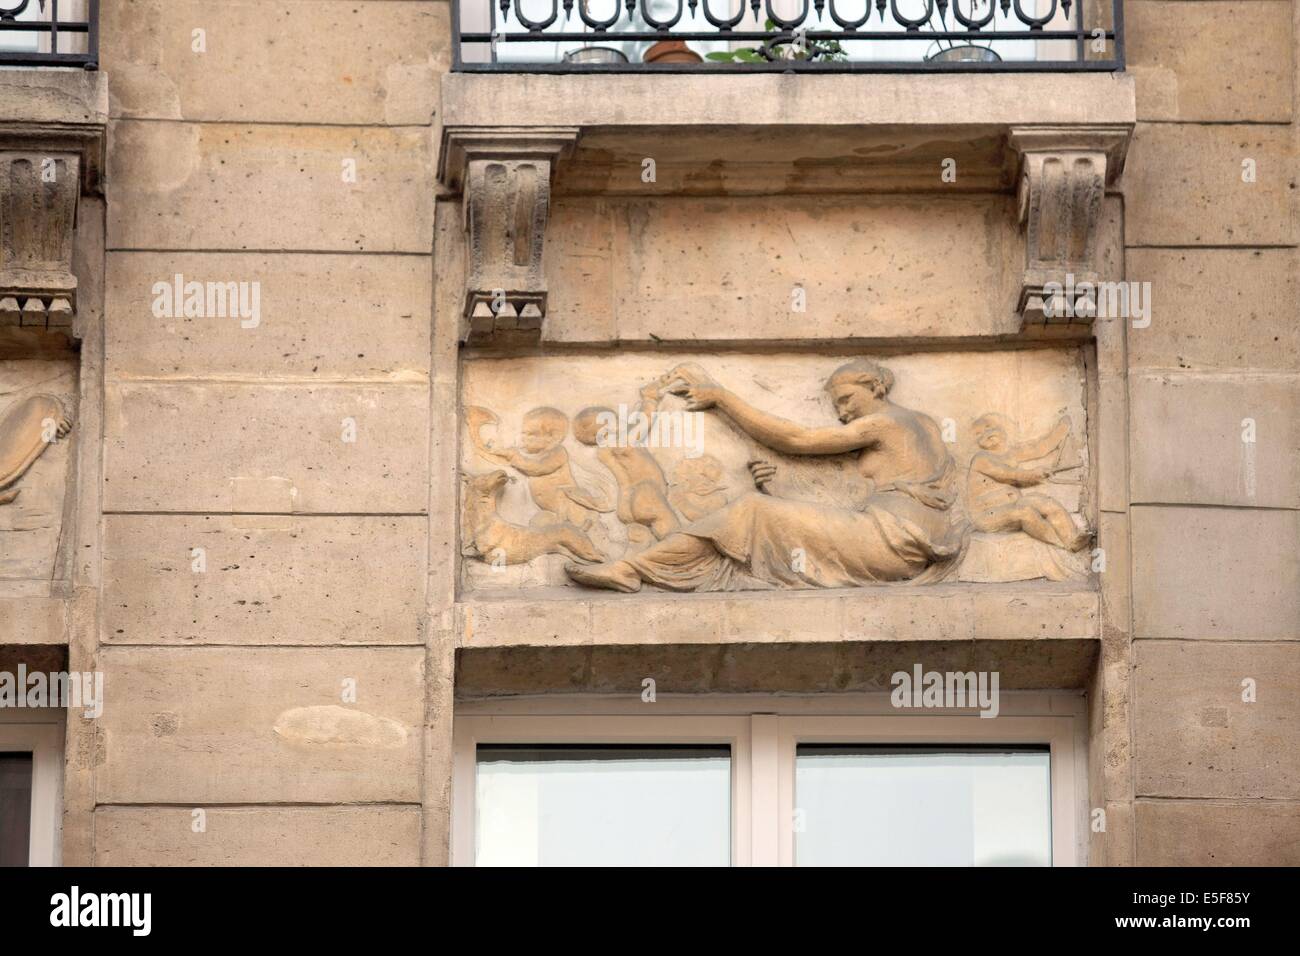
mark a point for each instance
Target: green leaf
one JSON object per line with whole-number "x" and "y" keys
{"x": 725, "y": 56}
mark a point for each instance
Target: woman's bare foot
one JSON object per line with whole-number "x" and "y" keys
{"x": 615, "y": 576}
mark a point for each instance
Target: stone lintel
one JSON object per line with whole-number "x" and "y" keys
{"x": 848, "y": 667}
{"x": 941, "y": 612}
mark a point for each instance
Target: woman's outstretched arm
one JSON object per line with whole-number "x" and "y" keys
{"x": 778, "y": 433}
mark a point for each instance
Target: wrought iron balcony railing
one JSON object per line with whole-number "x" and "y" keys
{"x": 49, "y": 33}
{"x": 873, "y": 36}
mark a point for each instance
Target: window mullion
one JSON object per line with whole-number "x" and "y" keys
{"x": 765, "y": 789}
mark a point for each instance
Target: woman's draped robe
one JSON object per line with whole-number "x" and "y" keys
{"x": 907, "y": 531}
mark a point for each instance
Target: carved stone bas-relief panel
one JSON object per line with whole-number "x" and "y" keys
{"x": 36, "y": 403}
{"x": 722, "y": 472}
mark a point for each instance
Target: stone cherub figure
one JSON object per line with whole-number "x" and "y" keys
{"x": 643, "y": 505}
{"x": 906, "y": 530}
{"x": 997, "y": 473}
{"x": 25, "y": 432}
{"x": 542, "y": 458}
{"x": 697, "y": 487}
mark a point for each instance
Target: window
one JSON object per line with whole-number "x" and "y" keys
{"x": 15, "y": 808}
{"x": 607, "y": 805}
{"x": 810, "y": 782}
{"x": 936, "y": 806}
{"x": 31, "y": 777}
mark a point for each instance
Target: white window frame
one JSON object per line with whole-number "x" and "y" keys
{"x": 472, "y": 731}
{"x": 763, "y": 733}
{"x": 40, "y": 733}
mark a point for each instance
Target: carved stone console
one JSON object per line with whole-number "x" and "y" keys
{"x": 1064, "y": 172}
{"x": 38, "y": 212}
{"x": 504, "y": 175}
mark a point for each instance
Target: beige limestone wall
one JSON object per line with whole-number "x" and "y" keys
{"x": 1215, "y": 524}
{"x": 264, "y": 629}
{"x": 298, "y": 151}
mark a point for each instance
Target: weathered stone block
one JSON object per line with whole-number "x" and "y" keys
{"x": 898, "y": 266}
{"x": 654, "y": 622}
{"x": 32, "y": 620}
{"x": 1206, "y": 62}
{"x": 794, "y": 619}
{"x": 1217, "y": 309}
{"x": 1217, "y": 833}
{"x": 300, "y": 188}
{"x": 1184, "y": 185}
{"x": 258, "y": 836}
{"x": 220, "y": 725}
{"x": 271, "y": 448}
{"x": 317, "y": 317}
{"x": 773, "y": 99}
{"x": 807, "y": 668}
{"x": 318, "y": 580}
{"x": 1194, "y": 735}
{"x": 1215, "y": 439}
{"x": 56, "y": 97}
{"x": 542, "y": 623}
{"x": 1216, "y": 573}
{"x": 326, "y": 62}
{"x": 1034, "y": 611}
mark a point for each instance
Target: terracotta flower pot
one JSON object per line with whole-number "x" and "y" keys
{"x": 671, "y": 51}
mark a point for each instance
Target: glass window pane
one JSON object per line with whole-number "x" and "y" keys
{"x": 606, "y": 805}
{"x": 940, "y": 806}
{"x": 15, "y": 808}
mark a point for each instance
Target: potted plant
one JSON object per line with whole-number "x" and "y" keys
{"x": 783, "y": 45}
{"x": 670, "y": 51}
{"x": 965, "y": 52}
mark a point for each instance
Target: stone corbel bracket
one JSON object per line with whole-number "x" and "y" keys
{"x": 504, "y": 175}
{"x": 43, "y": 172}
{"x": 1063, "y": 176}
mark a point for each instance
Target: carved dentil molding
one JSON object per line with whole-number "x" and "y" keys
{"x": 504, "y": 175}
{"x": 1063, "y": 175}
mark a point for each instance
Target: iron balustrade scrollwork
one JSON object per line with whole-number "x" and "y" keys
{"x": 788, "y": 35}
{"x": 49, "y": 33}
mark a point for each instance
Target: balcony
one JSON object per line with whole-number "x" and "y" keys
{"x": 782, "y": 36}
{"x": 49, "y": 33}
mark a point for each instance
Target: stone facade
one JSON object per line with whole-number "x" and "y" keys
{"x": 299, "y": 446}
